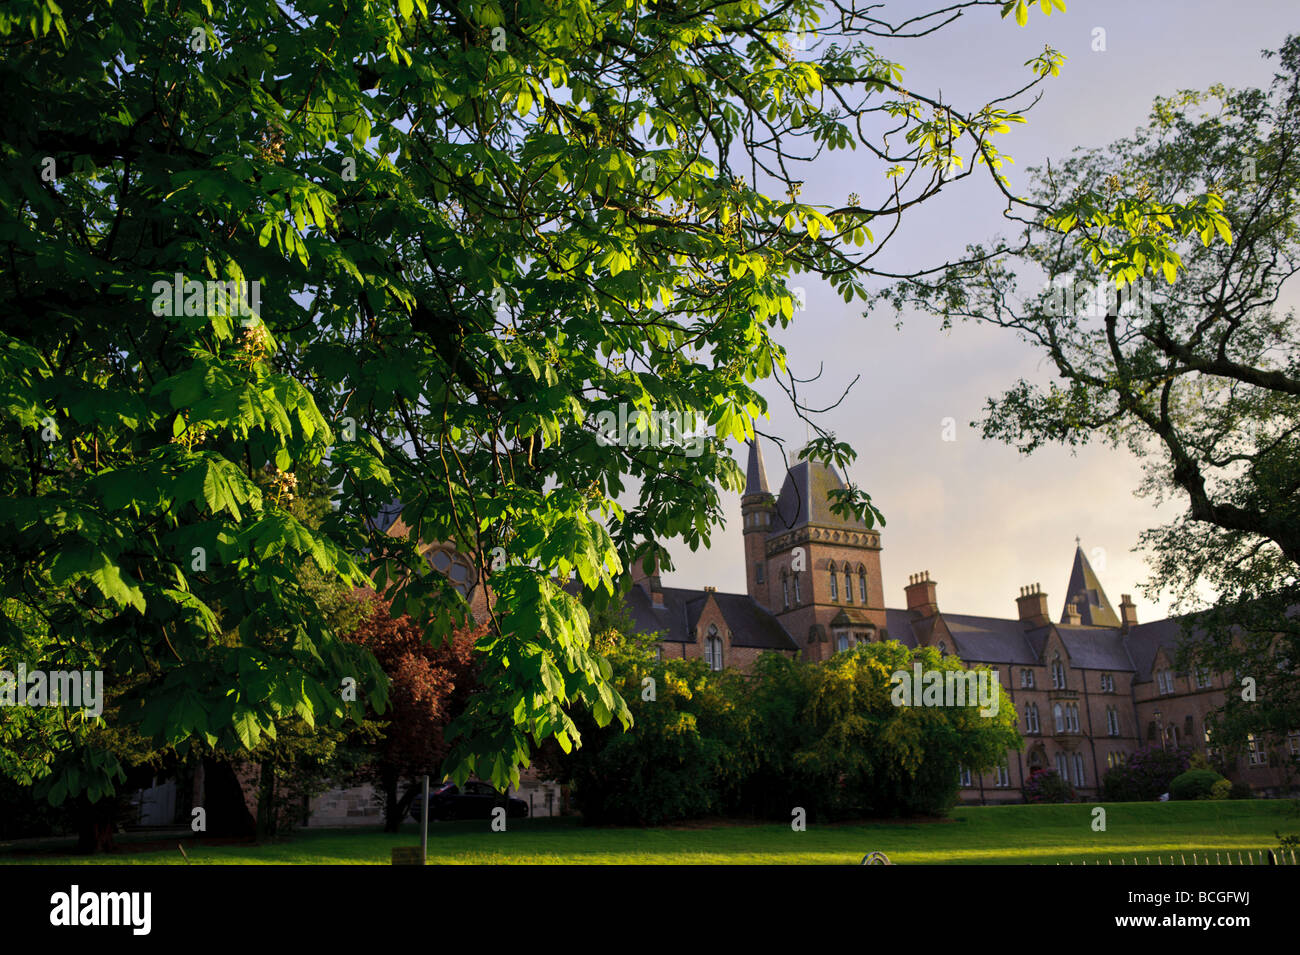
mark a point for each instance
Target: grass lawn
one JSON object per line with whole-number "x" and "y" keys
{"x": 972, "y": 836}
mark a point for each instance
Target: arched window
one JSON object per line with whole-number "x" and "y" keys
{"x": 1058, "y": 673}
{"x": 1058, "y": 716}
{"x": 862, "y": 583}
{"x": 797, "y": 598}
{"x": 943, "y": 649}
{"x": 1031, "y": 719}
{"x": 1078, "y": 769}
{"x": 848, "y": 585}
{"x": 835, "y": 586}
{"x": 785, "y": 591}
{"x": 841, "y": 640}
{"x": 713, "y": 649}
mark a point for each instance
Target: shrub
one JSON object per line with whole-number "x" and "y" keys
{"x": 1221, "y": 790}
{"x": 1194, "y": 784}
{"x": 1046, "y": 785}
{"x": 1146, "y": 775}
{"x": 1241, "y": 790}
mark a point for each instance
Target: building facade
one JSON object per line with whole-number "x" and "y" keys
{"x": 1089, "y": 688}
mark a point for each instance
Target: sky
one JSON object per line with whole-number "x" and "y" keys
{"x": 982, "y": 518}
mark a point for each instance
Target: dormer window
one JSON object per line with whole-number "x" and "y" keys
{"x": 1058, "y": 673}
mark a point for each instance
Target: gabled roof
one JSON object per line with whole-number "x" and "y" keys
{"x": 1086, "y": 593}
{"x": 805, "y": 499}
{"x": 1094, "y": 648}
{"x": 749, "y": 624}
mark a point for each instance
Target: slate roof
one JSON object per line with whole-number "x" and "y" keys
{"x": 804, "y": 499}
{"x": 989, "y": 639}
{"x": 1095, "y": 648}
{"x": 1086, "y": 592}
{"x": 755, "y": 471}
{"x": 750, "y": 625}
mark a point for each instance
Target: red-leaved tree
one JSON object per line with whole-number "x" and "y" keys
{"x": 429, "y": 687}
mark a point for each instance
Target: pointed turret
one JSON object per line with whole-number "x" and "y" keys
{"x": 1087, "y": 596}
{"x": 756, "y": 471}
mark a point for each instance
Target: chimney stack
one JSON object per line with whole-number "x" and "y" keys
{"x": 921, "y": 595}
{"x": 1128, "y": 615}
{"x": 1032, "y": 605}
{"x": 1072, "y": 616}
{"x": 649, "y": 581}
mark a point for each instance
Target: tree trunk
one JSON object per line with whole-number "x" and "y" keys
{"x": 95, "y": 824}
{"x": 266, "y": 816}
{"x": 223, "y": 797}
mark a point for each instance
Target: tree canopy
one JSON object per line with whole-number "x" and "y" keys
{"x": 426, "y": 245}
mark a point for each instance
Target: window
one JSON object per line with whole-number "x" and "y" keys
{"x": 1072, "y": 717}
{"x": 1112, "y": 721}
{"x": 797, "y": 598}
{"x": 963, "y": 775}
{"x": 1026, "y": 678}
{"x": 713, "y": 649}
{"x": 1209, "y": 747}
{"x": 848, "y": 585}
{"x": 943, "y": 649}
{"x": 835, "y": 583}
{"x": 1063, "y": 767}
{"x": 1107, "y": 683}
{"x": 1058, "y": 673}
{"x": 785, "y": 591}
{"x": 1058, "y": 715}
{"x": 1031, "y": 719}
{"x": 758, "y": 572}
{"x": 1254, "y": 750}
{"x": 1078, "y": 769}
{"x": 1293, "y": 742}
{"x": 1165, "y": 681}
{"x": 1202, "y": 678}
{"x": 1001, "y": 775}
{"x": 659, "y": 653}
{"x": 841, "y": 640}
{"x": 862, "y": 585}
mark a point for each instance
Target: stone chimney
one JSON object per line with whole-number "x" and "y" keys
{"x": 921, "y": 594}
{"x": 1128, "y": 614}
{"x": 649, "y": 581}
{"x": 1032, "y": 605}
{"x": 1072, "y": 616}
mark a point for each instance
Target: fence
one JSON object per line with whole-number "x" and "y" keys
{"x": 1203, "y": 857}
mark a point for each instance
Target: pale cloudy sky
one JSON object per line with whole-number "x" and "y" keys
{"x": 983, "y": 519}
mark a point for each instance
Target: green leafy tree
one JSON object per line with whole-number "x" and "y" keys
{"x": 474, "y": 228}
{"x": 850, "y": 750}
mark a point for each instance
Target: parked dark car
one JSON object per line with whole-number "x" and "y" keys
{"x": 475, "y": 800}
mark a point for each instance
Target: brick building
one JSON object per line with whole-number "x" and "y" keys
{"x": 1089, "y": 688}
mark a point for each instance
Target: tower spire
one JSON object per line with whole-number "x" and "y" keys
{"x": 756, "y": 470}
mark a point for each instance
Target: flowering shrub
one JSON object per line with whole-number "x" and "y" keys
{"x": 1046, "y": 785}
